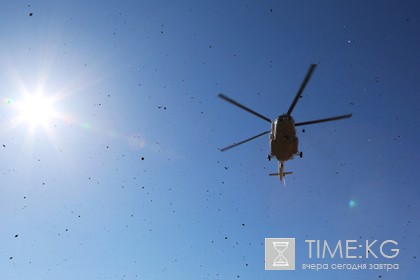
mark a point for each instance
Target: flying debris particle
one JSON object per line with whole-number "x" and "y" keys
{"x": 243, "y": 225}
{"x": 226, "y": 167}
{"x": 303, "y": 130}
{"x": 31, "y": 14}
{"x": 142, "y": 158}
{"x": 10, "y": 258}
{"x": 16, "y": 235}
{"x": 4, "y": 146}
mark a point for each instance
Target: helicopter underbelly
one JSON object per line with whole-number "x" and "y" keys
{"x": 285, "y": 143}
{"x": 284, "y": 150}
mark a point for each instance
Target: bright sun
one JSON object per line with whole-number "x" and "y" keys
{"x": 36, "y": 110}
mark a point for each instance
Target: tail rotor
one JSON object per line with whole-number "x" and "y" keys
{"x": 281, "y": 173}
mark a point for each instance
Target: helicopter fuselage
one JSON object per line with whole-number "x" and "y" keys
{"x": 283, "y": 140}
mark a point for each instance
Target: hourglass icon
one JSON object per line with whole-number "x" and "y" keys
{"x": 280, "y": 247}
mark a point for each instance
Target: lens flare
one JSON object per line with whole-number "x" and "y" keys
{"x": 8, "y": 101}
{"x": 352, "y": 203}
{"x": 86, "y": 125}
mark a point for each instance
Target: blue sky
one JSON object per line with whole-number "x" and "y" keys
{"x": 124, "y": 179}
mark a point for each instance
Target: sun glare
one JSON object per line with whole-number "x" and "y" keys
{"x": 36, "y": 110}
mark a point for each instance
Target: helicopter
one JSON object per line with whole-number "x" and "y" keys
{"x": 283, "y": 139}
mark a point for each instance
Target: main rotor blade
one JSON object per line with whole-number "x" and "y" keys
{"x": 242, "y": 142}
{"x": 324, "y": 120}
{"x": 302, "y": 87}
{"x": 224, "y": 97}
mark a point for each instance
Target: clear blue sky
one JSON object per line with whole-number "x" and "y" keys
{"x": 124, "y": 180}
